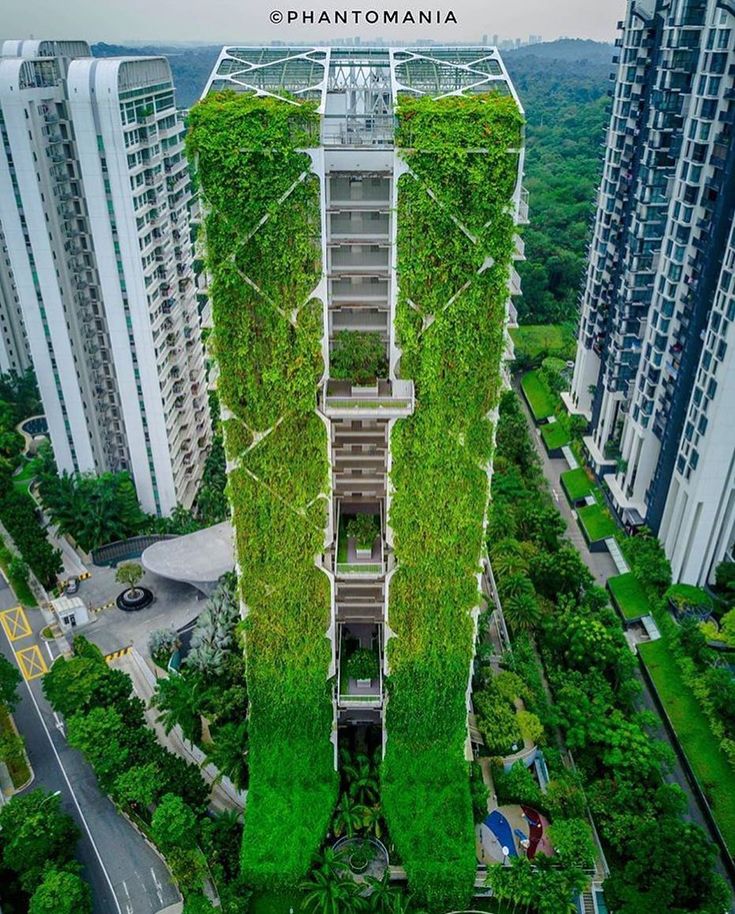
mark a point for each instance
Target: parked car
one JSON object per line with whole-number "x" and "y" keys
{"x": 72, "y": 586}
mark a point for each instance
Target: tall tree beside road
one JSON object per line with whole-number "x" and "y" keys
{"x": 61, "y": 892}
{"x": 10, "y": 679}
{"x": 35, "y": 832}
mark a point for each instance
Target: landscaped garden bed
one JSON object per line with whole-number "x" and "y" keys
{"x": 715, "y": 775}
{"x": 687, "y": 600}
{"x": 577, "y": 485}
{"x": 541, "y": 401}
{"x": 555, "y": 436}
{"x": 596, "y": 523}
{"x": 628, "y": 596}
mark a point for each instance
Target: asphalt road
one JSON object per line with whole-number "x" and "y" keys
{"x": 125, "y": 874}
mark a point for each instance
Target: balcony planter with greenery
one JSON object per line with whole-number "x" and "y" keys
{"x": 263, "y": 254}
{"x": 362, "y": 664}
{"x": 363, "y": 528}
{"x": 454, "y": 218}
{"x": 358, "y": 357}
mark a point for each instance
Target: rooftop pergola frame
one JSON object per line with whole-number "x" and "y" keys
{"x": 377, "y": 74}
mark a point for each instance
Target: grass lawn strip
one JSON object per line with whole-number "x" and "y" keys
{"x": 597, "y": 523}
{"x": 701, "y": 747}
{"x": 629, "y": 596}
{"x": 555, "y": 435}
{"x": 545, "y": 339}
{"x": 540, "y": 399}
{"x": 577, "y": 484}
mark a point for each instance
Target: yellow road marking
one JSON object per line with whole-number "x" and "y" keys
{"x": 31, "y": 662}
{"x": 15, "y": 622}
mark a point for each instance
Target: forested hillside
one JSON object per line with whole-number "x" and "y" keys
{"x": 563, "y": 87}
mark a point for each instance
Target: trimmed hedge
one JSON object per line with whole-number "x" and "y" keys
{"x": 263, "y": 254}
{"x": 449, "y": 322}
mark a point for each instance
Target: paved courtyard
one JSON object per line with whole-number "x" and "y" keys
{"x": 175, "y": 605}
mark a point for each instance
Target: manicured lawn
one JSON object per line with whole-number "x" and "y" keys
{"x": 554, "y": 435}
{"x": 629, "y": 596}
{"x": 597, "y": 523}
{"x": 545, "y": 339}
{"x": 541, "y": 400}
{"x": 22, "y": 480}
{"x": 702, "y": 749}
{"x": 577, "y": 483}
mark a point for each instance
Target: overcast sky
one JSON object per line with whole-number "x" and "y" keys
{"x": 248, "y": 21}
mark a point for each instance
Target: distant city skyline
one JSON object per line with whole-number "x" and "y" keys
{"x": 236, "y": 21}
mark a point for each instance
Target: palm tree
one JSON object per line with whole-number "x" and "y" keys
{"x": 348, "y": 816}
{"x": 522, "y": 612}
{"x": 361, "y": 776}
{"x": 382, "y": 894}
{"x": 179, "y": 699}
{"x": 228, "y": 752}
{"x": 372, "y": 820}
{"x": 507, "y": 558}
{"x": 514, "y": 585}
{"x": 329, "y": 894}
{"x": 331, "y": 861}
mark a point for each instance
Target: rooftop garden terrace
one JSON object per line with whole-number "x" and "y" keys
{"x": 577, "y": 484}
{"x": 701, "y": 746}
{"x": 687, "y": 600}
{"x": 628, "y": 596}
{"x": 597, "y": 523}
{"x": 555, "y": 435}
{"x": 360, "y": 664}
{"x": 533, "y": 343}
{"x": 359, "y": 544}
{"x": 541, "y": 401}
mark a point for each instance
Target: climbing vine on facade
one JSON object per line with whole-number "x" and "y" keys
{"x": 263, "y": 255}
{"x": 455, "y": 244}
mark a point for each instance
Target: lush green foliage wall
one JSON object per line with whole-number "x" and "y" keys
{"x": 453, "y": 214}
{"x": 263, "y": 253}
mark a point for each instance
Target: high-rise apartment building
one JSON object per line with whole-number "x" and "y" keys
{"x": 361, "y": 211}
{"x": 14, "y": 354}
{"x": 95, "y": 192}
{"x": 655, "y": 370}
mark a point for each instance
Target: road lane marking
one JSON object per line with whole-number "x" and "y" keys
{"x": 16, "y": 624}
{"x": 48, "y": 649}
{"x": 31, "y": 662}
{"x": 73, "y": 795}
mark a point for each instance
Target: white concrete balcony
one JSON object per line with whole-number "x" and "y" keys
{"x": 383, "y": 400}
